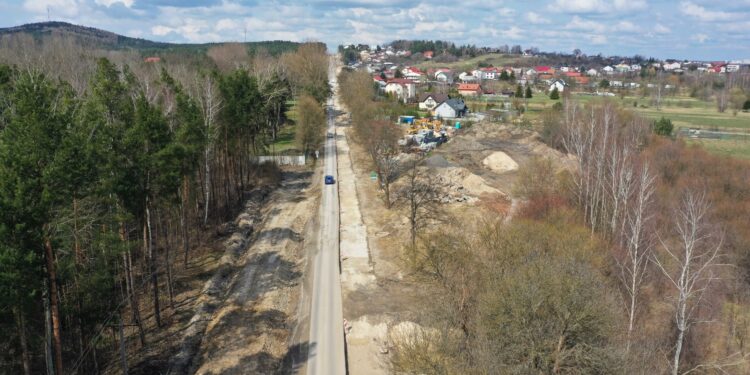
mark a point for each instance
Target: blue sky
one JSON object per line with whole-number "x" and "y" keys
{"x": 691, "y": 29}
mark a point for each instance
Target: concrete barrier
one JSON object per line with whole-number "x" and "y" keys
{"x": 281, "y": 159}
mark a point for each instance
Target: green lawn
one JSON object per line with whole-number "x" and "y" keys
{"x": 284, "y": 140}
{"x": 683, "y": 111}
{"x": 734, "y": 148}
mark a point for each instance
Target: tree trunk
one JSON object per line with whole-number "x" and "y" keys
{"x": 130, "y": 287}
{"x": 558, "y": 354}
{"x": 48, "y": 351}
{"x": 183, "y": 220}
{"x": 152, "y": 263}
{"x": 21, "y": 325}
{"x": 166, "y": 229}
{"x": 123, "y": 350}
{"x": 207, "y": 183}
{"x": 54, "y": 308}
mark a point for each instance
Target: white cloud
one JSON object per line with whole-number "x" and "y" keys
{"x": 661, "y": 29}
{"x": 535, "y": 18}
{"x": 597, "y": 39}
{"x": 56, "y": 8}
{"x": 625, "y": 26}
{"x": 630, "y": 5}
{"x": 700, "y": 38}
{"x": 226, "y": 24}
{"x": 597, "y": 6}
{"x": 161, "y": 30}
{"x": 703, "y": 14}
{"x": 109, "y": 3}
{"x": 578, "y": 23}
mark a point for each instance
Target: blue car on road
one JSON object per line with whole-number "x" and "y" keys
{"x": 329, "y": 180}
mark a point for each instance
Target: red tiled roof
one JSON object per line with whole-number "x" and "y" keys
{"x": 469, "y": 87}
{"x": 572, "y": 74}
{"x": 542, "y": 69}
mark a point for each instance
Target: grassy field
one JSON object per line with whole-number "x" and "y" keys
{"x": 284, "y": 140}
{"x": 734, "y": 148}
{"x": 683, "y": 111}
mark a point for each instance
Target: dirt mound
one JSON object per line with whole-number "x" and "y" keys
{"x": 500, "y": 162}
{"x": 463, "y": 186}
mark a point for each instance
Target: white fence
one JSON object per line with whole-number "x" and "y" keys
{"x": 281, "y": 159}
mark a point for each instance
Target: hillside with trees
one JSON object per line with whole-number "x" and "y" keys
{"x": 97, "y": 38}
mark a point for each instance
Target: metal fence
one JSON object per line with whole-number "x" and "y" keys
{"x": 281, "y": 159}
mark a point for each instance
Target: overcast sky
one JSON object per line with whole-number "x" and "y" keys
{"x": 691, "y": 29}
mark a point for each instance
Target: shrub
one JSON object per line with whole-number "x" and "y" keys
{"x": 663, "y": 127}
{"x": 555, "y": 94}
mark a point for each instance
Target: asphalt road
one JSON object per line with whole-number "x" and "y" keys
{"x": 326, "y": 354}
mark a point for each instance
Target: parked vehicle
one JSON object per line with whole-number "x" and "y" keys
{"x": 329, "y": 180}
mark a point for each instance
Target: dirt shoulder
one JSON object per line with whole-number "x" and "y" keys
{"x": 251, "y": 330}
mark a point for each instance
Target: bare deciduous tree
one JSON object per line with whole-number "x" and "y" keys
{"x": 421, "y": 195}
{"x": 638, "y": 243}
{"x": 381, "y": 145}
{"x": 690, "y": 263}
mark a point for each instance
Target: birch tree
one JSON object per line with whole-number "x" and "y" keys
{"x": 689, "y": 264}
{"x": 638, "y": 244}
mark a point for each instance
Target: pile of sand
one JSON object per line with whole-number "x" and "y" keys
{"x": 500, "y": 162}
{"x": 460, "y": 181}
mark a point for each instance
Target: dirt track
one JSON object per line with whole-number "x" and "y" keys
{"x": 250, "y": 330}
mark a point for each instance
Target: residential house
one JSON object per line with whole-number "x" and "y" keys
{"x": 559, "y": 84}
{"x": 414, "y": 74}
{"x": 444, "y": 76}
{"x": 402, "y": 88}
{"x": 466, "y": 77}
{"x": 608, "y": 70}
{"x": 491, "y": 73}
{"x": 478, "y": 73}
{"x": 581, "y": 80}
{"x": 544, "y": 70}
{"x": 380, "y": 81}
{"x": 592, "y": 72}
{"x": 731, "y": 68}
{"x": 153, "y": 59}
{"x": 622, "y": 68}
{"x": 672, "y": 66}
{"x": 615, "y": 83}
{"x": 428, "y": 54}
{"x": 635, "y": 67}
{"x": 428, "y": 101}
{"x": 451, "y": 108}
{"x": 470, "y": 89}
{"x": 545, "y": 76}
